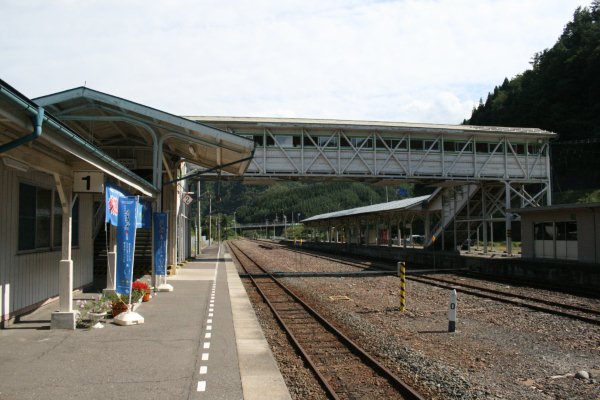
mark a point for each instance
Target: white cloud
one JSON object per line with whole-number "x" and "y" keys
{"x": 408, "y": 60}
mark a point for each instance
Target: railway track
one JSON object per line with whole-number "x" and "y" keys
{"x": 563, "y": 309}
{"x": 343, "y": 368}
{"x": 547, "y": 306}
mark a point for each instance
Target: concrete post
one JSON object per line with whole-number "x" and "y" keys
{"x": 508, "y": 220}
{"x": 111, "y": 273}
{"x": 484, "y": 224}
{"x": 65, "y": 317}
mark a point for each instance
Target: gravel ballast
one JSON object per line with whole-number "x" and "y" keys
{"x": 498, "y": 350}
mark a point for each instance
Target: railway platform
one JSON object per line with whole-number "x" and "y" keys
{"x": 201, "y": 341}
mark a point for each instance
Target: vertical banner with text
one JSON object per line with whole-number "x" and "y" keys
{"x": 113, "y": 194}
{"x": 160, "y": 243}
{"x": 125, "y": 243}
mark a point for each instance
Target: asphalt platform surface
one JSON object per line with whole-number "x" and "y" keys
{"x": 201, "y": 341}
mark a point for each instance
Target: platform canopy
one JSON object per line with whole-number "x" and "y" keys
{"x": 57, "y": 149}
{"x": 413, "y": 203}
{"x": 114, "y": 124}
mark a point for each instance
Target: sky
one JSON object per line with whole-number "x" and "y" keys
{"x": 385, "y": 60}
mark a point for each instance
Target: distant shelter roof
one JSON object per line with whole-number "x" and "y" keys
{"x": 397, "y": 205}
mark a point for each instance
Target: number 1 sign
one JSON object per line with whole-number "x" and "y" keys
{"x": 88, "y": 182}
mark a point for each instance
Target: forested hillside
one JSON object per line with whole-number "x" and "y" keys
{"x": 258, "y": 203}
{"x": 560, "y": 93}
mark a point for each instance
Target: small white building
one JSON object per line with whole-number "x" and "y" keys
{"x": 561, "y": 232}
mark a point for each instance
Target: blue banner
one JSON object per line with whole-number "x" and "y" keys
{"x": 161, "y": 228}
{"x": 125, "y": 243}
{"x": 144, "y": 215}
{"x": 113, "y": 194}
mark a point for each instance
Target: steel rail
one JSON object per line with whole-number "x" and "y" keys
{"x": 452, "y": 285}
{"x": 473, "y": 292}
{"x": 516, "y": 295}
{"x": 404, "y": 389}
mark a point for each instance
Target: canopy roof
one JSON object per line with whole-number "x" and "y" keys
{"x": 109, "y": 121}
{"x": 397, "y": 205}
{"x": 58, "y": 148}
{"x": 350, "y": 125}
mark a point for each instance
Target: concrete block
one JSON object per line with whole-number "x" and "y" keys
{"x": 63, "y": 320}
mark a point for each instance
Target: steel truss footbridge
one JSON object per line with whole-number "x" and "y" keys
{"x": 479, "y": 172}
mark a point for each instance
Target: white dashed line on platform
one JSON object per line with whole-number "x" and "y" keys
{"x": 203, "y": 370}
{"x": 201, "y": 386}
{"x": 207, "y": 335}
{"x": 209, "y": 321}
{"x": 210, "y": 314}
{"x": 206, "y": 345}
{"x": 204, "y": 356}
{"x": 209, "y": 327}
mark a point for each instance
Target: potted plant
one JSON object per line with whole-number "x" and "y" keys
{"x": 120, "y": 302}
{"x": 94, "y": 310}
{"x": 143, "y": 287}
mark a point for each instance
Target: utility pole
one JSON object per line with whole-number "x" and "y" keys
{"x": 209, "y": 220}
{"x": 234, "y": 225}
{"x": 199, "y": 229}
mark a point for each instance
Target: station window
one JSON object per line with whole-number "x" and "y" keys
{"x": 328, "y": 141}
{"x": 566, "y": 230}
{"x": 366, "y": 143}
{"x": 544, "y": 231}
{"x": 519, "y": 148}
{"x": 284, "y": 141}
{"x": 400, "y": 143}
{"x": 481, "y": 147}
{"x": 432, "y": 145}
{"x": 257, "y": 139}
{"x": 465, "y": 147}
{"x": 416, "y": 144}
{"x": 495, "y": 146}
{"x": 40, "y": 219}
{"x": 533, "y": 149}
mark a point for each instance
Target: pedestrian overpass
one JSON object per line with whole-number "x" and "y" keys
{"x": 476, "y": 172}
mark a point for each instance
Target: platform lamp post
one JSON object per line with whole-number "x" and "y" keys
{"x": 234, "y": 225}
{"x": 285, "y": 226}
{"x": 266, "y": 228}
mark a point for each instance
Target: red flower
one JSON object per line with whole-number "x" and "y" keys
{"x": 139, "y": 285}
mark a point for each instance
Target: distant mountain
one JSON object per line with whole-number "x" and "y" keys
{"x": 560, "y": 93}
{"x": 258, "y": 203}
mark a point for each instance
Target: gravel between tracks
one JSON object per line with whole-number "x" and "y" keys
{"x": 498, "y": 351}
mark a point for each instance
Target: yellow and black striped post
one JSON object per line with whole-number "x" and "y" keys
{"x": 402, "y": 274}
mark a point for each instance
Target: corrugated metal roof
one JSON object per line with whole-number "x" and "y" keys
{"x": 556, "y": 207}
{"x": 339, "y": 124}
{"x": 381, "y": 207}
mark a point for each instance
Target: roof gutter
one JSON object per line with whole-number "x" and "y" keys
{"x": 82, "y": 149}
{"x": 37, "y": 129}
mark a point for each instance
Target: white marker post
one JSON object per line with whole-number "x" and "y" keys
{"x": 452, "y": 312}
{"x": 402, "y": 275}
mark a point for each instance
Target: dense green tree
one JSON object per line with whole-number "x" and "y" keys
{"x": 560, "y": 93}
{"x": 253, "y": 203}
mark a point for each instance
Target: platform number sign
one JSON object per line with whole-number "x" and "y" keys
{"x": 88, "y": 182}
{"x": 187, "y": 199}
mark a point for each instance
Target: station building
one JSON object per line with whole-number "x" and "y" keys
{"x": 561, "y": 232}
{"x": 56, "y": 153}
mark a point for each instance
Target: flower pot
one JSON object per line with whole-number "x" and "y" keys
{"x": 118, "y": 308}
{"x": 147, "y": 296}
{"x": 95, "y": 318}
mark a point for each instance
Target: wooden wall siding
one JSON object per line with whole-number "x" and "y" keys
{"x": 33, "y": 277}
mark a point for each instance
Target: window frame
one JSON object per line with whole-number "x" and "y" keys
{"x": 54, "y": 243}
